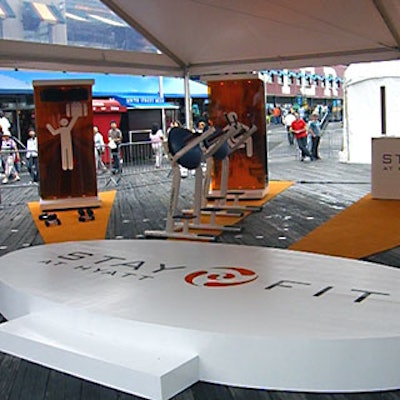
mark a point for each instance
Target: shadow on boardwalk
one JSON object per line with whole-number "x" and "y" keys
{"x": 321, "y": 190}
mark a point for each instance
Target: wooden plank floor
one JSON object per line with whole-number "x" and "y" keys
{"x": 322, "y": 189}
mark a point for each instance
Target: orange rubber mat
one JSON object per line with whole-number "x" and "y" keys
{"x": 367, "y": 227}
{"x": 71, "y": 229}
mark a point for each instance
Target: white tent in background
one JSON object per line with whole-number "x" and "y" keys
{"x": 362, "y": 103}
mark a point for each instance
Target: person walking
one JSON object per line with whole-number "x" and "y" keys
{"x": 114, "y": 140}
{"x": 289, "y": 118}
{"x": 277, "y": 115}
{"x": 5, "y": 124}
{"x": 99, "y": 148}
{"x": 299, "y": 128}
{"x": 9, "y": 152}
{"x": 157, "y": 139}
{"x": 32, "y": 156}
{"x": 315, "y": 131}
{"x": 174, "y": 124}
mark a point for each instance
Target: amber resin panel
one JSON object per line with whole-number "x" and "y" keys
{"x": 245, "y": 97}
{"x": 64, "y": 124}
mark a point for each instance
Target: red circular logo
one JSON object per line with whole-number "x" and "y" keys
{"x": 221, "y": 277}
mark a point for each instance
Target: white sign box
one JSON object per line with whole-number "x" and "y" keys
{"x": 152, "y": 317}
{"x": 385, "y": 168}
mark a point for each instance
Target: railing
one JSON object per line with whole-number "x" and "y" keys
{"x": 134, "y": 158}
{"x": 332, "y": 141}
{"x": 280, "y": 150}
{"x": 20, "y": 162}
{"x": 137, "y": 159}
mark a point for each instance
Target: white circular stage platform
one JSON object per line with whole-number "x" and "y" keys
{"x": 153, "y": 317}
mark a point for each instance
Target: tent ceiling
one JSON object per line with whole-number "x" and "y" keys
{"x": 240, "y": 35}
{"x": 208, "y": 36}
{"x": 17, "y": 54}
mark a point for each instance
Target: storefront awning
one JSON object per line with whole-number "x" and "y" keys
{"x": 107, "y": 106}
{"x": 110, "y": 85}
{"x": 45, "y": 12}
{"x": 5, "y": 10}
{"x": 10, "y": 85}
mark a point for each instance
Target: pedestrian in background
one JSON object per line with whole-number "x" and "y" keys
{"x": 315, "y": 131}
{"x": 289, "y": 118}
{"x": 277, "y": 115}
{"x": 299, "y": 128}
{"x": 32, "y": 156}
{"x": 5, "y": 124}
{"x": 99, "y": 148}
{"x": 114, "y": 140}
{"x": 157, "y": 139}
{"x": 174, "y": 124}
{"x": 201, "y": 127}
{"x": 9, "y": 153}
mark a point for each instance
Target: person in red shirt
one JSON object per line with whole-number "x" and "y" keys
{"x": 299, "y": 129}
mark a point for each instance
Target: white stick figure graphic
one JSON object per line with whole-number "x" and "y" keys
{"x": 75, "y": 110}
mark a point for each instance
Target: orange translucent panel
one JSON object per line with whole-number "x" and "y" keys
{"x": 245, "y": 97}
{"x": 72, "y": 174}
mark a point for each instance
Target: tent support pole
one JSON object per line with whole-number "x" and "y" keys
{"x": 188, "y": 102}
{"x": 383, "y": 110}
{"x": 161, "y": 94}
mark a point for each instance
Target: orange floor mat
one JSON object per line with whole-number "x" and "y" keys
{"x": 367, "y": 227}
{"x": 71, "y": 229}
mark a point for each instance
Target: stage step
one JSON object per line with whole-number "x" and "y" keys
{"x": 150, "y": 373}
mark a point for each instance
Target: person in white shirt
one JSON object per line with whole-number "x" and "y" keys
{"x": 5, "y": 124}
{"x": 32, "y": 156}
{"x": 157, "y": 139}
{"x": 289, "y": 118}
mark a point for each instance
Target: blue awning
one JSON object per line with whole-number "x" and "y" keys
{"x": 9, "y": 85}
{"x": 111, "y": 85}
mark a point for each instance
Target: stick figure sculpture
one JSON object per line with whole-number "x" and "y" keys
{"x": 74, "y": 110}
{"x": 232, "y": 119}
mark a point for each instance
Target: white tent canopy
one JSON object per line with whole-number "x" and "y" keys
{"x": 208, "y": 37}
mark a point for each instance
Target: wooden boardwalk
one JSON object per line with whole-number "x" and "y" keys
{"x": 321, "y": 190}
